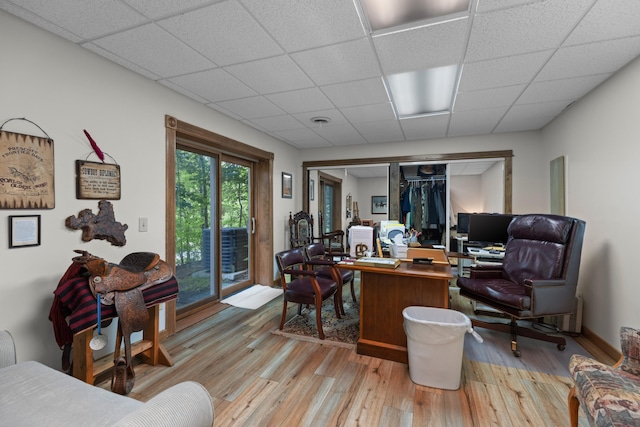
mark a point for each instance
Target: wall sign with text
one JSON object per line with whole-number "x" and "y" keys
{"x": 97, "y": 180}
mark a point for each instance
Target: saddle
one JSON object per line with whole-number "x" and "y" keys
{"x": 122, "y": 284}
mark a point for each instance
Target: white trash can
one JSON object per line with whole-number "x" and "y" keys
{"x": 435, "y": 343}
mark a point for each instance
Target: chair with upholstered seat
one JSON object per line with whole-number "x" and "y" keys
{"x": 304, "y": 286}
{"x": 538, "y": 276}
{"x": 326, "y": 266}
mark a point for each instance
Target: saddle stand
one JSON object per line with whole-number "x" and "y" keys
{"x": 122, "y": 284}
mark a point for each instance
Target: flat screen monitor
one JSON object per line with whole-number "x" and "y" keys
{"x": 489, "y": 228}
{"x": 463, "y": 223}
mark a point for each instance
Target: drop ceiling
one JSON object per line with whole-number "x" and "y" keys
{"x": 277, "y": 65}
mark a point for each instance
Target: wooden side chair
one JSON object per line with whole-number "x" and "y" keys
{"x": 300, "y": 229}
{"x": 324, "y": 264}
{"x": 303, "y": 286}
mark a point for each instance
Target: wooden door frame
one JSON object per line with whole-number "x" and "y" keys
{"x": 262, "y": 187}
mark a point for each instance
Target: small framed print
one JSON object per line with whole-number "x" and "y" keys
{"x": 287, "y": 185}
{"x": 24, "y": 230}
{"x": 378, "y": 204}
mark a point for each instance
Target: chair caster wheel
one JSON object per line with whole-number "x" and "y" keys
{"x": 561, "y": 347}
{"x": 516, "y": 353}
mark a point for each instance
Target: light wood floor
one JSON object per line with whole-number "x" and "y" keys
{"x": 260, "y": 379}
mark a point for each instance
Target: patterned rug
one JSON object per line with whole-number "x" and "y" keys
{"x": 342, "y": 332}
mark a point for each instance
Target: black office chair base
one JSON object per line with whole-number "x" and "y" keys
{"x": 514, "y": 329}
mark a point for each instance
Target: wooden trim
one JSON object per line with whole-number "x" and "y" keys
{"x": 606, "y": 348}
{"x": 170, "y": 220}
{"x": 262, "y": 187}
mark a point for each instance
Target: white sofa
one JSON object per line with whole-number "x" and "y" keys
{"x": 33, "y": 394}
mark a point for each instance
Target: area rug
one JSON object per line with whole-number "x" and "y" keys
{"x": 254, "y": 297}
{"x": 342, "y": 332}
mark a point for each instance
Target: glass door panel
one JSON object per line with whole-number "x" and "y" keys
{"x": 196, "y": 233}
{"x": 236, "y": 225}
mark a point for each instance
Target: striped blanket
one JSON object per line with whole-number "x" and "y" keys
{"x": 74, "y": 307}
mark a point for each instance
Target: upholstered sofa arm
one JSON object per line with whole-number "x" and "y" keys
{"x": 630, "y": 346}
{"x": 7, "y": 349}
{"x": 187, "y": 404}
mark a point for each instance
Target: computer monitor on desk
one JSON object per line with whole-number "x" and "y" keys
{"x": 489, "y": 229}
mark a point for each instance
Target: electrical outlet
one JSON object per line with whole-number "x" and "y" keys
{"x": 143, "y": 224}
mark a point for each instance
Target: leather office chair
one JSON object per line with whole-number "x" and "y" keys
{"x": 301, "y": 229}
{"x": 538, "y": 277}
{"x": 325, "y": 265}
{"x": 304, "y": 286}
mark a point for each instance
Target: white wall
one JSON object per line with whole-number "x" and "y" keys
{"x": 65, "y": 89}
{"x": 466, "y": 195}
{"x": 599, "y": 136}
{"x": 368, "y": 187}
{"x": 492, "y": 189}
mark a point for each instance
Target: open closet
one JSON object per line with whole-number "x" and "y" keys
{"x": 423, "y": 201}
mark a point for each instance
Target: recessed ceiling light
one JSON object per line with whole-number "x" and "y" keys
{"x": 383, "y": 14}
{"x": 419, "y": 93}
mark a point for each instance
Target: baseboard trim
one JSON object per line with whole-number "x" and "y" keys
{"x": 606, "y": 348}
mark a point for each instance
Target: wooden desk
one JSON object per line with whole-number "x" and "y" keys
{"x": 384, "y": 293}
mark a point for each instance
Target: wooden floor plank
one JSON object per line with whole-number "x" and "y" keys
{"x": 257, "y": 378}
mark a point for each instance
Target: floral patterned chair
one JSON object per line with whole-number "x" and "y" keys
{"x": 609, "y": 395}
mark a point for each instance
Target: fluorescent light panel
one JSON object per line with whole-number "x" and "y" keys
{"x": 417, "y": 93}
{"x": 383, "y": 14}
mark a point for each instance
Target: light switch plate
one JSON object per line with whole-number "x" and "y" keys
{"x": 143, "y": 224}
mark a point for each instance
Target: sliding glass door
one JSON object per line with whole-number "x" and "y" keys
{"x": 213, "y": 226}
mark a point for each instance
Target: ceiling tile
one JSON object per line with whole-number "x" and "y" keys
{"x": 304, "y": 24}
{"x": 425, "y": 127}
{"x": 339, "y": 63}
{"x": 183, "y": 91}
{"x": 595, "y": 58}
{"x": 278, "y": 123}
{"x": 341, "y": 134}
{"x": 300, "y": 101}
{"x": 422, "y": 48}
{"x": 121, "y": 61}
{"x": 284, "y": 75}
{"x": 607, "y": 19}
{"x": 361, "y": 92}
{"x": 153, "y": 49}
{"x": 487, "y": 98}
{"x": 155, "y": 9}
{"x": 477, "y": 122}
{"x": 380, "y": 131}
{"x": 39, "y": 21}
{"x": 489, "y": 5}
{"x": 202, "y": 28}
{"x": 507, "y": 71}
{"x": 556, "y": 90}
{"x": 334, "y": 115}
{"x": 528, "y": 28}
{"x": 369, "y": 113}
{"x": 304, "y": 136}
{"x": 214, "y": 85}
{"x": 87, "y": 19}
{"x": 251, "y": 108}
{"x": 226, "y": 112}
{"x": 530, "y": 116}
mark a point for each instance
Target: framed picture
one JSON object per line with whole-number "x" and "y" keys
{"x": 378, "y": 204}
{"x": 312, "y": 189}
{"x": 24, "y": 230}
{"x": 287, "y": 185}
